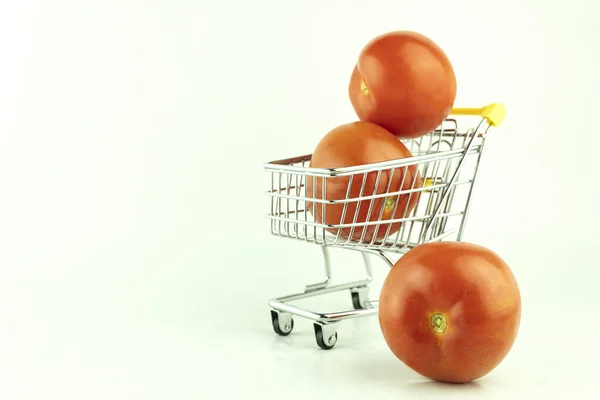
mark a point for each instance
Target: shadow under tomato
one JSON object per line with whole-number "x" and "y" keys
{"x": 388, "y": 371}
{"x": 430, "y": 386}
{"x": 383, "y": 370}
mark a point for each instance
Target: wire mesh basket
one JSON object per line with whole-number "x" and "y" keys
{"x": 387, "y": 208}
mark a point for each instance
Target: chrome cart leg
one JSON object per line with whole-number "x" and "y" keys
{"x": 325, "y": 324}
{"x": 360, "y": 294}
{"x": 327, "y": 265}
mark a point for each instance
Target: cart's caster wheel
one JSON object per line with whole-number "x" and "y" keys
{"x": 326, "y": 336}
{"x": 360, "y": 297}
{"x": 283, "y": 323}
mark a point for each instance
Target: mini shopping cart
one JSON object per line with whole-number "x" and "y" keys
{"x": 447, "y": 159}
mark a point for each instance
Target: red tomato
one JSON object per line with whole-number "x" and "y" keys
{"x": 404, "y": 82}
{"x": 450, "y": 310}
{"x": 359, "y": 143}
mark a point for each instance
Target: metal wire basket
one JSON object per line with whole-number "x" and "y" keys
{"x": 389, "y": 208}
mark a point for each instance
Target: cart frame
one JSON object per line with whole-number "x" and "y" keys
{"x": 442, "y": 158}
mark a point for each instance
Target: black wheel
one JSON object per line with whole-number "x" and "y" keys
{"x": 356, "y": 301}
{"x": 326, "y": 343}
{"x": 360, "y": 296}
{"x": 282, "y": 330}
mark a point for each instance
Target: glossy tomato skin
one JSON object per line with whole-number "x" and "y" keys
{"x": 404, "y": 82}
{"x": 353, "y": 144}
{"x": 450, "y": 310}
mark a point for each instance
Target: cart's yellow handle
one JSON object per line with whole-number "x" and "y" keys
{"x": 494, "y": 113}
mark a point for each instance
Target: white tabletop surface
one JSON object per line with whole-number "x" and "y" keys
{"x": 135, "y": 259}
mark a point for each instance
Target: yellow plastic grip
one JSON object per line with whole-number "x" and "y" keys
{"x": 494, "y": 113}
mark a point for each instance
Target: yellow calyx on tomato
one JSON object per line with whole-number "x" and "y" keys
{"x": 389, "y": 204}
{"x": 438, "y": 322}
{"x": 364, "y": 90}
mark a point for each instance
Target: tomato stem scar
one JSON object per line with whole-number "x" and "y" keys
{"x": 438, "y": 322}
{"x": 364, "y": 90}
{"x": 389, "y": 203}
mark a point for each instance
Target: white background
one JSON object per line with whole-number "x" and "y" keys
{"x": 135, "y": 259}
